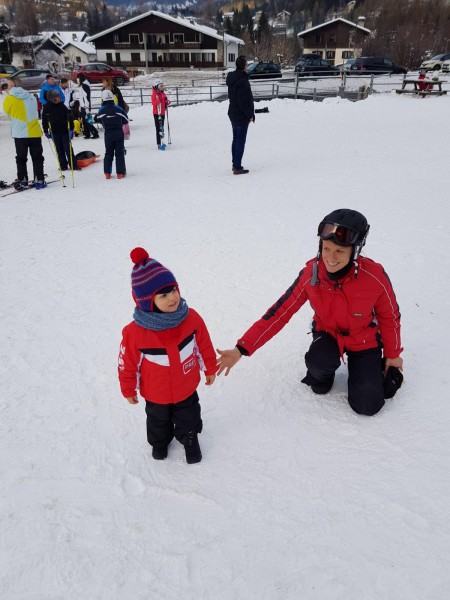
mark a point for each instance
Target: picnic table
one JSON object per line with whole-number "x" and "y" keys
{"x": 435, "y": 84}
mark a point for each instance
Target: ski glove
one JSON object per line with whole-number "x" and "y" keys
{"x": 392, "y": 382}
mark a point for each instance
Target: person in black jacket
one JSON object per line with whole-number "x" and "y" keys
{"x": 112, "y": 118}
{"x": 241, "y": 111}
{"x": 57, "y": 123}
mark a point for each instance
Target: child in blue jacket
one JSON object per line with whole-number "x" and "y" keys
{"x": 113, "y": 118}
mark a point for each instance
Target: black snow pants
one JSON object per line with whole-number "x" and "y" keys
{"x": 158, "y": 126}
{"x": 114, "y": 146}
{"x": 34, "y": 146}
{"x": 365, "y": 373}
{"x": 166, "y": 421}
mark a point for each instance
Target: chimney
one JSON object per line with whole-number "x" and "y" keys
{"x": 361, "y": 21}
{"x": 308, "y": 24}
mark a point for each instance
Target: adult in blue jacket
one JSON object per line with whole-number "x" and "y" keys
{"x": 50, "y": 84}
{"x": 241, "y": 112}
{"x": 113, "y": 118}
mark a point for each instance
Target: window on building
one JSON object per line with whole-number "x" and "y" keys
{"x": 198, "y": 36}
{"x": 135, "y": 57}
{"x": 134, "y": 38}
{"x": 109, "y": 57}
{"x": 347, "y": 54}
{"x": 209, "y": 57}
{"x": 116, "y": 38}
{"x": 178, "y": 38}
{"x": 78, "y": 59}
{"x": 118, "y": 57}
{"x": 332, "y": 39}
{"x": 331, "y": 54}
{"x": 318, "y": 39}
{"x": 231, "y": 57}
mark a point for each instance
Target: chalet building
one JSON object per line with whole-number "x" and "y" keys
{"x": 335, "y": 40}
{"x": 155, "y": 40}
{"x": 79, "y": 53}
{"x": 35, "y": 51}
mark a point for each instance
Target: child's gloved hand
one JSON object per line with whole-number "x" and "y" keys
{"x": 133, "y": 400}
{"x": 210, "y": 379}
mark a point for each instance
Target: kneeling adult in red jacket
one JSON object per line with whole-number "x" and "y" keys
{"x": 355, "y": 312}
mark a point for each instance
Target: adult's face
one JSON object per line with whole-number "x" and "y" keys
{"x": 335, "y": 257}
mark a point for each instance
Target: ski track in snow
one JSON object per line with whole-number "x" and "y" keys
{"x": 296, "y": 496}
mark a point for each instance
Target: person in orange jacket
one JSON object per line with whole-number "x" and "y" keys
{"x": 355, "y": 313}
{"x": 160, "y": 102}
{"x": 163, "y": 350}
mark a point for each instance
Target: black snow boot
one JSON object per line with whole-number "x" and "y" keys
{"x": 192, "y": 448}
{"x": 318, "y": 387}
{"x": 159, "y": 453}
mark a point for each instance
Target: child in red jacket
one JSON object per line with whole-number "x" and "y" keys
{"x": 163, "y": 351}
{"x": 160, "y": 102}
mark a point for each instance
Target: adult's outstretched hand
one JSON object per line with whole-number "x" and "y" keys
{"x": 227, "y": 360}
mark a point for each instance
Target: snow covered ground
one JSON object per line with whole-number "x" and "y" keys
{"x": 297, "y": 497}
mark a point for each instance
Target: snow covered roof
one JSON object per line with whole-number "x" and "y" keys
{"x": 68, "y": 36}
{"x": 85, "y": 47}
{"x": 185, "y": 22}
{"x": 302, "y": 33}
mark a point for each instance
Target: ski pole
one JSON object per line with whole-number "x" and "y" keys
{"x": 169, "y": 139}
{"x": 55, "y": 152}
{"x": 71, "y": 155}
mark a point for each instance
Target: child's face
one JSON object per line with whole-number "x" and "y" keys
{"x": 161, "y": 87}
{"x": 168, "y": 303}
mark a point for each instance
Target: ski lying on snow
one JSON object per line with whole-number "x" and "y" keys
{"x": 30, "y": 187}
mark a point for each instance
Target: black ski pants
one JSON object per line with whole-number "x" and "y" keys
{"x": 63, "y": 149}
{"x": 158, "y": 126}
{"x": 365, "y": 373}
{"x": 88, "y": 129}
{"x": 34, "y": 146}
{"x": 166, "y": 421}
{"x": 114, "y": 146}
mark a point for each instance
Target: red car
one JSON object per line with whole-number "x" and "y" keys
{"x": 94, "y": 72}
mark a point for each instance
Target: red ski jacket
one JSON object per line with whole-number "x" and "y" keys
{"x": 165, "y": 365}
{"x": 360, "y": 311}
{"x": 159, "y": 100}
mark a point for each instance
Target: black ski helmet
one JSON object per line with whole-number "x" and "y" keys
{"x": 354, "y": 229}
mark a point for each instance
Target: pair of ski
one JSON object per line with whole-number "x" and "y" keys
{"x": 17, "y": 190}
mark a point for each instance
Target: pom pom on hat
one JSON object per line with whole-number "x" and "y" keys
{"x": 148, "y": 277}
{"x": 138, "y": 255}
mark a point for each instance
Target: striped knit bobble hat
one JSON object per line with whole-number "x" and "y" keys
{"x": 148, "y": 277}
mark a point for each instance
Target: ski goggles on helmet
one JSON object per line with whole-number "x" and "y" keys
{"x": 338, "y": 234}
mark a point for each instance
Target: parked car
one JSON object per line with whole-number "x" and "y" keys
{"x": 345, "y": 66}
{"x": 315, "y": 67}
{"x": 435, "y": 63}
{"x": 263, "y": 70}
{"x": 366, "y": 65}
{"x": 446, "y": 66}
{"x": 33, "y": 79}
{"x": 94, "y": 72}
{"x": 7, "y": 70}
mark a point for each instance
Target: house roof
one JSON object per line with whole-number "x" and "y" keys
{"x": 68, "y": 36}
{"x": 306, "y": 31}
{"x": 82, "y": 46}
{"x": 185, "y": 22}
{"x": 39, "y": 42}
